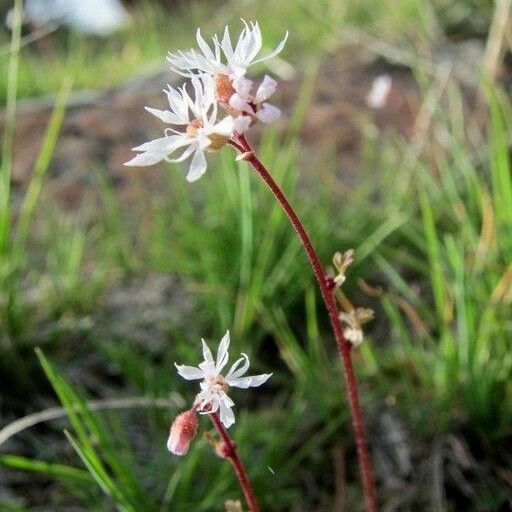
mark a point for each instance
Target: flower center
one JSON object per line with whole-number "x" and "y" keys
{"x": 193, "y": 127}
{"x": 223, "y": 89}
{"x": 219, "y": 382}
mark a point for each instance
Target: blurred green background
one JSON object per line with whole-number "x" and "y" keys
{"x": 112, "y": 274}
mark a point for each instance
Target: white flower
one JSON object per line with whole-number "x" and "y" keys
{"x": 214, "y": 385}
{"x": 200, "y": 129}
{"x": 354, "y": 320}
{"x": 253, "y": 105}
{"x": 224, "y": 58}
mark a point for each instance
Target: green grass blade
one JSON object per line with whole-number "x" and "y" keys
{"x": 47, "y": 468}
{"x": 100, "y": 475}
{"x": 42, "y": 164}
{"x": 10, "y": 124}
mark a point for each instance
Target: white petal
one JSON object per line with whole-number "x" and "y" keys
{"x": 227, "y": 417}
{"x": 145, "y": 159}
{"x": 243, "y": 86}
{"x": 250, "y": 382}
{"x": 159, "y": 145}
{"x": 208, "y": 368}
{"x": 238, "y": 102}
{"x": 203, "y": 140}
{"x": 273, "y": 53}
{"x": 222, "y": 353}
{"x": 268, "y": 113}
{"x": 267, "y": 87}
{"x": 197, "y": 166}
{"x": 236, "y": 371}
{"x": 225, "y": 398}
{"x": 253, "y": 43}
{"x": 226, "y": 45}
{"x": 224, "y": 127}
{"x": 207, "y": 353}
{"x": 189, "y": 372}
{"x": 165, "y": 116}
{"x": 204, "y": 46}
{"x": 156, "y": 150}
{"x": 242, "y": 123}
{"x": 185, "y": 153}
{"x": 204, "y": 398}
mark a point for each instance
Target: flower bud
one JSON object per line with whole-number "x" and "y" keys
{"x": 183, "y": 431}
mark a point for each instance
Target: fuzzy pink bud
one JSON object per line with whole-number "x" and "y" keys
{"x": 183, "y": 431}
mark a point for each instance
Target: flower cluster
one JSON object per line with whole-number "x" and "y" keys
{"x": 217, "y": 77}
{"x": 355, "y": 318}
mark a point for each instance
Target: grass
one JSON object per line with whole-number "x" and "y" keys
{"x": 433, "y": 242}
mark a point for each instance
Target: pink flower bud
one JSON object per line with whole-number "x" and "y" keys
{"x": 183, "y": 431}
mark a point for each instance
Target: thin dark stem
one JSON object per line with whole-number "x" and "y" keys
{"x": 229, "y": 452}
{"x": 327, "y": 291}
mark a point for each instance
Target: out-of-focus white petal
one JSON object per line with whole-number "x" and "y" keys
{"x": 379, "y": 92}
{"x": 267, "y": 87}
{"x": 197, "y": 166}
{"x": 268, "y": 113}
{"x": 222, "y": 353}
{"x": 189, "y": 372}
{"x": 250, "y": 382}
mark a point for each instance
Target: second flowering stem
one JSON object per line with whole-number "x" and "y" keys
{"x": 327, "y": 291}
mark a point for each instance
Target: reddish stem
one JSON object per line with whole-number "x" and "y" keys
{"x": 229, "y": 452}
{"x": 327, "y": 291}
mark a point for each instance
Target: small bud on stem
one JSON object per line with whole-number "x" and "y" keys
{"x": 183, "y": 431}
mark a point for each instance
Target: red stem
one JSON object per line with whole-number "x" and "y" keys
{"x": 229, "y": 452}
{"x": 327, "y": 291}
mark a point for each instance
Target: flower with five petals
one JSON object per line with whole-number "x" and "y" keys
{"x": 214, "y": 386}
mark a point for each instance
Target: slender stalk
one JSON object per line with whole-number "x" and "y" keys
{"x": 229, "y": 452}
{"x": 326, "y": 285}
